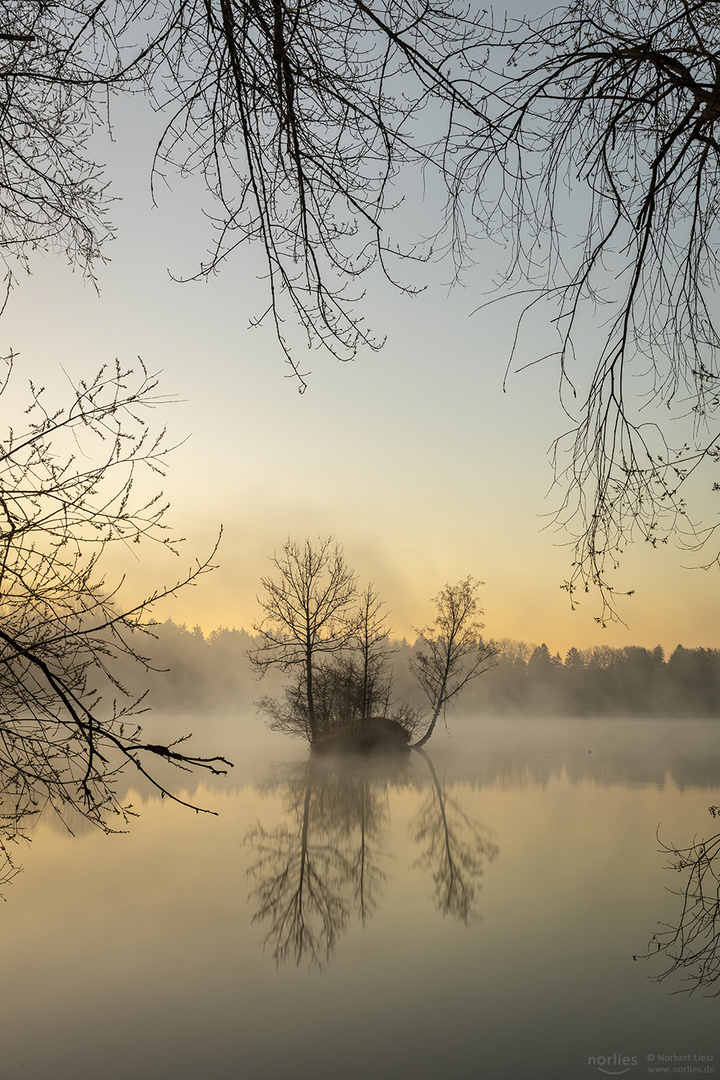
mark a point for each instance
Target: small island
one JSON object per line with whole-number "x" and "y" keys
{"x": 335, "y": 643}
{"x": 377, "y": 733}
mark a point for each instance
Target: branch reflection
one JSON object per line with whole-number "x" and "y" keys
{"x": 456, "y": 850}
{"x": 692, "y": 945}
{"x": 36, "y": 783}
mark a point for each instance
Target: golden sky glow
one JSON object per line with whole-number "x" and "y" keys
{"x": 415, "y": 458}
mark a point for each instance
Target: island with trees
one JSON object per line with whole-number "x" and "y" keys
{"x": 334, "y": 643}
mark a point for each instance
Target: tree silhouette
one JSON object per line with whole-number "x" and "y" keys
{"x": 307, "y": 614}
{"x": 600, "y": 174}
{"x": 68, "y": 482}
{"x": 371, "y": 639}
{"x": 298, "y": 119}
{"x": 339, "y": 654}
{"x": 57, "y": 58}
{"x": 452, "y": 651}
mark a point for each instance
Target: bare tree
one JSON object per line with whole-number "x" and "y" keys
{"x": 452, "y": 650}
{"x": 300, "y": 117}
{"x": 57, "y": 60}
{"x": 307, "y": 614}
{"x": 585, "y": 138}
{"x": 340, "y": 655}
{"x": 337, "y": 692}
{"x": 371, "y": 639}
{"x": 67, "y": 493}
{"x": 600, "y": 174}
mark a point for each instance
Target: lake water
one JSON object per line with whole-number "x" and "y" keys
{"x": 472, "y": 913}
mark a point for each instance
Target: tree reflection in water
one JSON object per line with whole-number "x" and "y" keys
{"x": 693, "y": 945}
{"x": 19, "y": 809}
{"x": 315, "y": 871}
{"x": 34, "y": 786}
{"x": 456, "y": 850}
{"x": 321, "y": 869}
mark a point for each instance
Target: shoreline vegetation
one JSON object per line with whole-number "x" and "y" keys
{"x": 196, "y": 671}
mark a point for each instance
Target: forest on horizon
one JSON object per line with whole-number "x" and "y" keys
{"x": 194, "y": 671}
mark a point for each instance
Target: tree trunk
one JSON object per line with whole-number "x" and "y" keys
{"x": 440, "y": 701}
{"x": 310, "y": 700}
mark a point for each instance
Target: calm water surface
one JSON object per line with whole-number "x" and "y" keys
{"x": 470, "y": 913}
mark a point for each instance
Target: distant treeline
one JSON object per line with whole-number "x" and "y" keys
{"x": 630, "y": 681}
{"x": 194, "y": 671}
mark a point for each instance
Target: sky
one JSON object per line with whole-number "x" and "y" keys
{"x": 421, "y": 459}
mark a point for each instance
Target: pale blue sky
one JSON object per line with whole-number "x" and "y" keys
{"x": 415, "y": 458}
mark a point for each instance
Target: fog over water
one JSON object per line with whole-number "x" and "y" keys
{"x": 481, "y": 751}
{"x": 471, "y": 912}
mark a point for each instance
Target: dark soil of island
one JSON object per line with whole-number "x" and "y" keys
{"x": 377, "y": 733}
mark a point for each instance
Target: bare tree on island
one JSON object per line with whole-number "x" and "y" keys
{"x": 68, "y": 484}
{"x": 341, "y": 695}
{"x": 307, "y": 615}
{"x": 453, "y": 651}
{"x": 372, "y": 642}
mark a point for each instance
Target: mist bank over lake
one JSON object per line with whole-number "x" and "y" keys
{"x": 511, "y": 753}
{"x": 202, "y": 673}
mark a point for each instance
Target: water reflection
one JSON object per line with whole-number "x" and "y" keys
{"x": 22, "y": 802}
{"x": 692, "y": 945}
{"x": 455, "y": 850}
{"x": 321, "y": 868}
